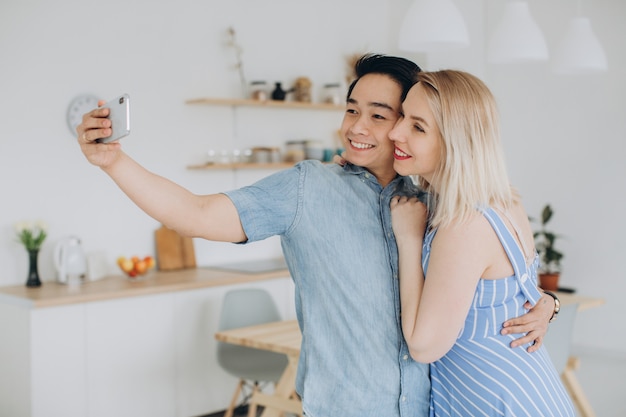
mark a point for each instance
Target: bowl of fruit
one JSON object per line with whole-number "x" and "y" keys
{"x": 135, "y": 266}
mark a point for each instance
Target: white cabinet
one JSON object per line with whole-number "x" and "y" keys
{"x": 152, "y": 355}
{"x": 58, "y": 360}
{"x": 130, "y": 359}
{"x": 42, "y": 361}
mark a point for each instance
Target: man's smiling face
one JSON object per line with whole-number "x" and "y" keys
{"x": 371, "y": 112}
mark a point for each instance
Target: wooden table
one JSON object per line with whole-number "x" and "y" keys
{"x": 584, "y": 302}
{"x": 282, "y": 337}
{"x": 568, "y": 376}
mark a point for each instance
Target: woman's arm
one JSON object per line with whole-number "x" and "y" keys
{"x": 434, "y": 309}
{"x": 408, "y": 219}
{"x": 458, "y": 259}
{"x": 433, "y": 312}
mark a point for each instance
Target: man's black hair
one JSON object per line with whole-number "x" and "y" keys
{"x": 403, "y": 71}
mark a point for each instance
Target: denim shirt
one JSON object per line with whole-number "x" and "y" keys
{"x": 336, "y": 235}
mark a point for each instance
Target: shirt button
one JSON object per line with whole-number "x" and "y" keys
{"x": 524, "y": 278}
{"x": 403, "y": 398}
{"x": 367, "y": 175}
{"x": 405, "y": 357}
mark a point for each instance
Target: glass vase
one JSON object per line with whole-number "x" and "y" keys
{"x": 33, "y": 272}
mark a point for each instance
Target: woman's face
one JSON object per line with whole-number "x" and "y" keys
{"x": 416, "y": 137}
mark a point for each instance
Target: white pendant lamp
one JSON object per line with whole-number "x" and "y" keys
{"x": 432, "y": 25}
{"x": 579, "y": 52}
{"x": 517, "y": 38}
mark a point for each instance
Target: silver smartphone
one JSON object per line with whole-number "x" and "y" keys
{"x": 119, "y": 114}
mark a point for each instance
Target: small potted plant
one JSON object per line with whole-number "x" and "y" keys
{"x": 549, "y": 257}
{"x": 32, "y": 235}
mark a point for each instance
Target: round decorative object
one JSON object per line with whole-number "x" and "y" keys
{"x": 78, "y": 107}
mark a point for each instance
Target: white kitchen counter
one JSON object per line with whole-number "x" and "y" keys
{"x": 116, "y": 347}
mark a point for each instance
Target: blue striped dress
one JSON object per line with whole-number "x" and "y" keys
{"x": 482, "y": 375}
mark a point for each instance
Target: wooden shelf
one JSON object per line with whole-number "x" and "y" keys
{"x": 236, "y": 102}
{"x": 243, "y": 165}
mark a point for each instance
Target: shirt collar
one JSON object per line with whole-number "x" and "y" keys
{"x": 359, "y": 170}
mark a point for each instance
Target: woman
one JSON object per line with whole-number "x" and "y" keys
{"x": 467, "y": 261}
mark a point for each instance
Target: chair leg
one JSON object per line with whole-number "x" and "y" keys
{"x": 231, "y": 408}
{"x": 252, "y": 405}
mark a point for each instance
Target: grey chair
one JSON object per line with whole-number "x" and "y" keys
{"x": 242, "y": 308}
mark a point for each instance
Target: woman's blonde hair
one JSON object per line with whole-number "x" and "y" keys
{"x": 472, "y": 171}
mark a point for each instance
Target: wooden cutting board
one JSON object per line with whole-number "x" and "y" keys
{"x": 173, "y": 250}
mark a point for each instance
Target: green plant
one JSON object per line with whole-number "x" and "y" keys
{"x": 31, "y": 235}
{"x": 549, "y": 257}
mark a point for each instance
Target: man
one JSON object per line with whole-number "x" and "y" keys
{"x": 336, "y": 235}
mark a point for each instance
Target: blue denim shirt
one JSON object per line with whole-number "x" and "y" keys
{"x": 335, "y": 228}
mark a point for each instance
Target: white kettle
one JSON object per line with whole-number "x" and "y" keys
{"x": 69, "y": 260}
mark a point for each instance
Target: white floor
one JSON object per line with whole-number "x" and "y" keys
{"x": 602, "y": 374}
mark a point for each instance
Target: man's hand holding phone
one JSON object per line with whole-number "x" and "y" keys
{"x": 119, "y": 115}
{"x": 101, "y": 128}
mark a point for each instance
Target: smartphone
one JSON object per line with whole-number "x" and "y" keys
{"x": 119, "y": 114}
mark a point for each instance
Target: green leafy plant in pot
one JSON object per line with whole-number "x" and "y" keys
{"x": 550, "y": 258}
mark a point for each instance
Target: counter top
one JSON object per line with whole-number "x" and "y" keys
{"x": 52, "y": 294}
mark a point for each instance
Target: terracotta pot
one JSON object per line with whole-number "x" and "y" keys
{"x": 549, "y": 282}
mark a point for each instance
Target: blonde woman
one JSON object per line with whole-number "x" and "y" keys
{"x": 467, "y": 262}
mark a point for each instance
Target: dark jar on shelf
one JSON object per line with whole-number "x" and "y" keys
{"x": 278, "y": 93}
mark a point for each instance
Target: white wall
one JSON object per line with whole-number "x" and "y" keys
{"x": 162, "y": 53}
{"x": 564, "y": 136}
{"x": 566, "y": 142}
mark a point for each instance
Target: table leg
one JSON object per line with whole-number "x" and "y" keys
{"x": 281, "y": 400}
{"x": 233, "y": 402}
{"x": 575, "y": 389}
